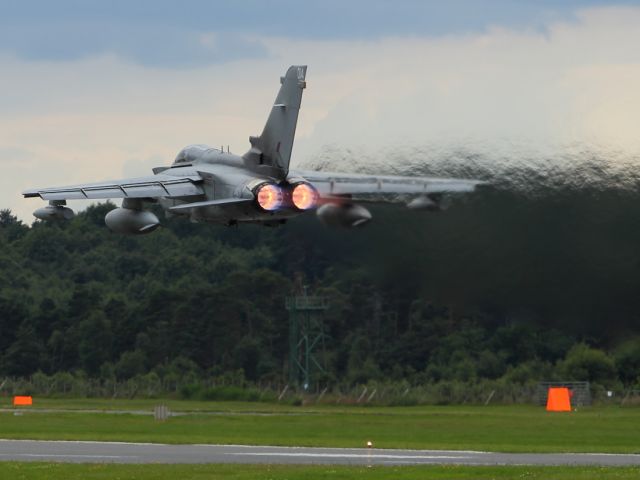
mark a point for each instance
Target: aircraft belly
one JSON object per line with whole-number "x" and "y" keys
{"x": 239, "y": 213}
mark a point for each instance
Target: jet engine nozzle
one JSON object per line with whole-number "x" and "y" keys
{"x": 348, "y": 215}
{"x": 304, "y": 196}
{"x": 269, "y": 196}
{"x": 54, "y": 212}
{"x": 131, "y": 222}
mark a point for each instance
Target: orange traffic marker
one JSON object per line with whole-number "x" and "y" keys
{"x": 22, "y": 401}
{"x": 558, "y": 400}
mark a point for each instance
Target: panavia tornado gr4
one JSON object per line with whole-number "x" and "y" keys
{"x": 210, "y": 185}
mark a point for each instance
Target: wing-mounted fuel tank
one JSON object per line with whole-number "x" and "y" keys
{"x": 346, "y": 215}
{"x": 56, "y": 210}
{"x": 430, "y": 203}
{"x": 131, "y": 219}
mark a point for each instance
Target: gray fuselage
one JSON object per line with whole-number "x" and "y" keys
{"x": 225, "y": 176}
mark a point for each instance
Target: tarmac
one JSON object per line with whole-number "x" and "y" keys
{"x": 121, "y": 452}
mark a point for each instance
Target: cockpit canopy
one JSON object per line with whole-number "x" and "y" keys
{"x": 191, "y": 153}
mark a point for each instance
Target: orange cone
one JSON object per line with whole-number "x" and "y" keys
{"x": 558, "y": 400}
{"x": 22, "y": 401}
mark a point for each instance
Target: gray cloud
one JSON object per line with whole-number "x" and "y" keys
{"x": 145, "y": 45}
{"x": 164, "y": 33}
{"x": 407, "y": 101}
{"x": 10, "y": 154}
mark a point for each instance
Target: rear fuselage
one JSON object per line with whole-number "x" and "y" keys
{"x": 225, "y": 176}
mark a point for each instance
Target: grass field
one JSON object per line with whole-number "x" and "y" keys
{"x": 494, "y": 428}
{"x": 52, "y": 471}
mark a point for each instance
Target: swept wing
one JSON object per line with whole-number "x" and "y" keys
{"x": 354, "y": 184}
{"x": 142, "y": 187}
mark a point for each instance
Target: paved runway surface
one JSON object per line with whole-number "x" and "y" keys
{"x": 114, "y": 452}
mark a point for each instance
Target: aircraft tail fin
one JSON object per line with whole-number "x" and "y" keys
{"x": 273, "y": 147}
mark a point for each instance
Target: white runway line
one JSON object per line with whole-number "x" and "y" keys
{"x": 348, "y": 455}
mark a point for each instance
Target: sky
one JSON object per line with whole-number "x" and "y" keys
{"x": 93, "y": 90}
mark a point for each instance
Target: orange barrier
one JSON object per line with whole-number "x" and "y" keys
{"x": 559, "y": 400}
{"x": 22, "y": 401}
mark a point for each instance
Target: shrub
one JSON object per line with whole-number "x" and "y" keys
{"x": 627, "y": 358}
{"x": 585, "y": 363}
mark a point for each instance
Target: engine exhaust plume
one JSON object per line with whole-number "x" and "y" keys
{"x": 269, "y": 197}
{"x": 304, "y": 196}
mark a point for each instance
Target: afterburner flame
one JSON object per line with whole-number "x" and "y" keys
{"x": 269, "y": 197}
{"x": 304, "y": 196}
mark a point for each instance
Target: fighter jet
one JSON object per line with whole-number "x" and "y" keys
{"x": 208, "y": 184}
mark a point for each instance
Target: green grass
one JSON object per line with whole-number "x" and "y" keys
{"x": 55, "y": 471}
{"x": 493, "y": 428}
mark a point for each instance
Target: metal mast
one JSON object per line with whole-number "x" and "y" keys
{"x": 306, "y": 336}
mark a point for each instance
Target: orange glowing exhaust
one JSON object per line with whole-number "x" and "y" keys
{"x": 304, "y": 196}
{"x": 269, "y": 197}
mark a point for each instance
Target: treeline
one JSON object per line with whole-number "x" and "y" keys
{"x": 498, "y": 288}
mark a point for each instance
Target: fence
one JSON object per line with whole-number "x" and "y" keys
{"x": 235, "y": 387}
{"x": 580, "y": 392}
{"x": 388, "y": 393}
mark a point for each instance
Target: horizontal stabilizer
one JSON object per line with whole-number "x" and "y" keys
{"x": 211, "y": 203}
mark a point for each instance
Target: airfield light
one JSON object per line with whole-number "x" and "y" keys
{"x": 269, "y": 197}
{"x": 304, "y": 196}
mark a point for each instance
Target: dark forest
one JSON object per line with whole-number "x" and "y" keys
{"x": 499, "y": 286}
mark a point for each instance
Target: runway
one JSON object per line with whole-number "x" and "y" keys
{"x": 116, "y": 452}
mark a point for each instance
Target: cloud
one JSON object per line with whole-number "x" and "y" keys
{"x": 147, "y": 45}
{"x": 101, "y": 116}
{"x": 574, "y": 82}
{"x": 168, "y": 34}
